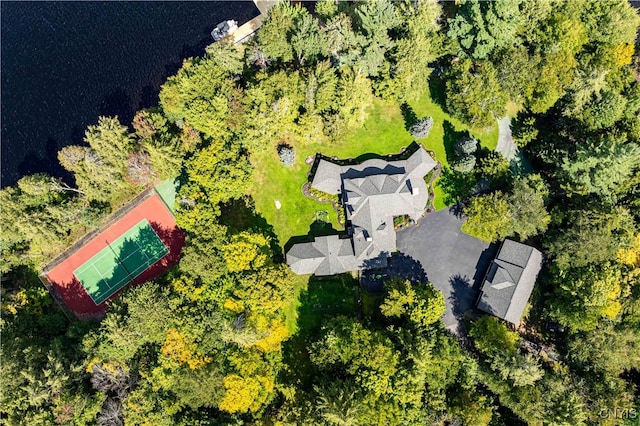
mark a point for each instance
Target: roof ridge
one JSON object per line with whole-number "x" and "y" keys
{"x": 365, "y": 200}
{"x": 508, "y": 274}
{"x": 523, "y": 269}
{"x": 511, "y": 263}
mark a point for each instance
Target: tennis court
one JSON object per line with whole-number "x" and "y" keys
{"x": 121, "y": 261}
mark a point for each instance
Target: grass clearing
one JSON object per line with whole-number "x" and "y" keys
{"x": 326, "y": 297}
{"x": 383, "y": 132}
{"x": 300, "y": 284}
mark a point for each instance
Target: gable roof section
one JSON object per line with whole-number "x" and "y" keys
{"x": 327, "y": 255}
{"x": 327, "y": 177}
{"x": 304, "y": 258}
{"x": 420, "y": 163}
{"x": 510, "y": 281}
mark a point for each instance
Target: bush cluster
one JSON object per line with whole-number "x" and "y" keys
{"x": 465, "y": 159}
{"x": 287, "y": 155}
{"x": 421, "y": 128}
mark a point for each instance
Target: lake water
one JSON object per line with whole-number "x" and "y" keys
{"x": 65, "y": 63}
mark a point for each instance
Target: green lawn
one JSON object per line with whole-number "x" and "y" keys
{"x": 382, "y": 133}
{"x": 445, "y": 133}
{"x": 326, "y": 297}
{"x": 292, "y": 312}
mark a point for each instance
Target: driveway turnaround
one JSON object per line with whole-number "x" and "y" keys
{"x": 454, "y": 262}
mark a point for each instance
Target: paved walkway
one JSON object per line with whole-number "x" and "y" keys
{"x": 506, "y": 145}
{"x": 453, "y": 261}
{"x": 509, "y": 150}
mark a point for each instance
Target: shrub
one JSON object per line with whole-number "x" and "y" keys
{"x": 464, "y": 163}
{"x": 287, "y": 155}
{"x": 139, "y": 168}
{"x": 466, "y": 146}
{"x": 421, "y": 128}
{"x": 323, "y": 196}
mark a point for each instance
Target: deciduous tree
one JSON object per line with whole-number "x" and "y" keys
{"x": 527, "y": 207}
{"x": 246, "y": 251}
{"x": 590, "y": 237}
{"x": 587, "y": 295}
{"x": 368, "y": 356}
{"x": 474, "y": 94}
{"x": 488, "y": 217}
{"x": 421, "y": 306}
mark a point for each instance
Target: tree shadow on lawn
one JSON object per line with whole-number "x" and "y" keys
{"x": 409, "y": 116}
{"x": 451, "y": 136}
{"x": 326, "y": 297}
{"x": 437, "y": 90}
{"x": 241, "y": 215}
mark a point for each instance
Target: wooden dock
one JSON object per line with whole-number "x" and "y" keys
{"x": 246, "y": 30}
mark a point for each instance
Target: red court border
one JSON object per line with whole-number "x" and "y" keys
{"x": 70, "y": 291}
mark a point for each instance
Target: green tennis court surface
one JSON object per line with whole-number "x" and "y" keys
{"x": 121, "y": 261}
{"x": 167, "y": 191}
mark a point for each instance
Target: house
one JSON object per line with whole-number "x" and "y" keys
{"x": 372, "y": 194}
{"x": 510, "y": 280}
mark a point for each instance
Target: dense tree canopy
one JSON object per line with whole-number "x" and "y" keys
{"x": 474, "y": 94}
{"x": 482, "y": 28}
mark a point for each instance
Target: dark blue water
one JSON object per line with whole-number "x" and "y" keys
{"x": 65, "y": 63}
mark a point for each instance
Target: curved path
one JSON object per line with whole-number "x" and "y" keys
{"x": 509, "y": 150}
{"x": 506, "y": 145}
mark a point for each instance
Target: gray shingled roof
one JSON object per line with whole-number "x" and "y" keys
{"x": 328, "y": 255}
{"x": 373, "y": 192}
{"x": 510, "y": 280}
{"x": 327, "y": 177}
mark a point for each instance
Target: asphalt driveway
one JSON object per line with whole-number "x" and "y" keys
{"x": 453, "y": 261}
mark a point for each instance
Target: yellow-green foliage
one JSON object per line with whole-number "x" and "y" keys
{"x": 178, "y": 348}
{"x": 488, "y": 217}
{"x": 323, "y": 196}
{"x": 631, "y": 255}
{"x": 252, "y": 384}
{"x": 246, "y": 251}
{"x": 491, "y": 336}
{"x": 421, "y": 306}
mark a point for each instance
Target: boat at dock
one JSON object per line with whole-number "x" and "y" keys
{"x": 223, "y": 29}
